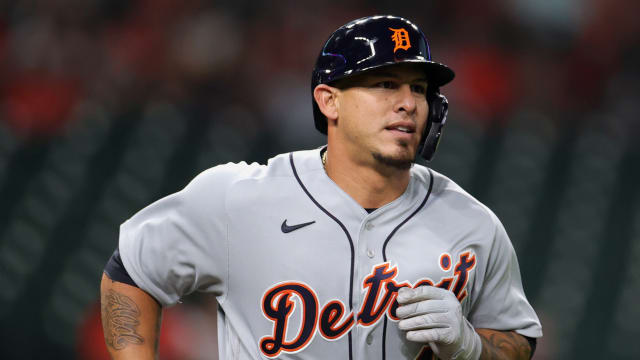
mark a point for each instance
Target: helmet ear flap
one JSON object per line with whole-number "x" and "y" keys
{"x": 438, "y": 109}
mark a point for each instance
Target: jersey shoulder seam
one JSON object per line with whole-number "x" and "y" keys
{"x": 448, "y": 185}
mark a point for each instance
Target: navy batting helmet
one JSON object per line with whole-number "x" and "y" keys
{"x": 376, "y": 41}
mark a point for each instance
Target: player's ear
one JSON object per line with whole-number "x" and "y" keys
{"x": 326, "y": 98}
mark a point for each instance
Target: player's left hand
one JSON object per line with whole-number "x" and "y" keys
{"x": 433, "y": 316}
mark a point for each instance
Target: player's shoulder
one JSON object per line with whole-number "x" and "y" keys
{"x": 226, "y": 175}
{"x": 448, "y": 194}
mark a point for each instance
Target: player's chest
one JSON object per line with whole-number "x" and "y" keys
{"x": 284, "y": 239}
{"x": 306, "y": 275}
{"x": 359, "y": 261}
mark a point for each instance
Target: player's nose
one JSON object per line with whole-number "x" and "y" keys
{"x": 405, "y": 99}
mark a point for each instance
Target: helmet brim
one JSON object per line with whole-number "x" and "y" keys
{"x": 437, "y": 73}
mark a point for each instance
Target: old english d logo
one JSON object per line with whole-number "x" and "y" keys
{"x": 401, "y": 38}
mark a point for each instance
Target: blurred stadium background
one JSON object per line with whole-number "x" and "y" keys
{"x": 107, "y": 105}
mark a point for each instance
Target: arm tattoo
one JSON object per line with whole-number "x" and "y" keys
{"x": 120, "y": 318}
{"x": 504, "y": 345}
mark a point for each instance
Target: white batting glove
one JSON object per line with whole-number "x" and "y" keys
{"x": 433, "y": 316}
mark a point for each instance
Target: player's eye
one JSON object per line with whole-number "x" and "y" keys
{"x": 419, "y": 88}
{"x": 385, "y": 85}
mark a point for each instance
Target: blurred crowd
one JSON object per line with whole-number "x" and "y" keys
{"x": 238, "y": 73}
{"x": 557, "y": 58}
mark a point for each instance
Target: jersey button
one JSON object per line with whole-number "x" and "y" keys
{"x": 369, "y": 226}
{"x": 370, "y": 253}
{"x": 369, "y": 338}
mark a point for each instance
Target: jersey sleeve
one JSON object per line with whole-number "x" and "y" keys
{"x": 501, "y": 303}
{"x": 178, "y": 244}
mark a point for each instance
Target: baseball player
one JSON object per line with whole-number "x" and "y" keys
{"x": 349, "y": 251}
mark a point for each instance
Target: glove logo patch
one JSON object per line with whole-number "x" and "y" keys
{"x": 401, "y": 39}
{"x": 294, "y": 299}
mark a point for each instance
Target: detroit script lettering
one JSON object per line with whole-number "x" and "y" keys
{"x": 333, "y": 321}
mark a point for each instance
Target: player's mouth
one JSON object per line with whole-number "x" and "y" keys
{"x": 402, "y": 128}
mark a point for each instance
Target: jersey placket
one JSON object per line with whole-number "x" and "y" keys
{"x": 376, "y": 271}
{"x": 369, "y": 254}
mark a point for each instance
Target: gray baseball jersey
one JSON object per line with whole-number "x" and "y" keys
{"x": 302, "y": 271}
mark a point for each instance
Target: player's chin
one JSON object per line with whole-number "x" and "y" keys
{"x": 399, "y": 154}
{"x": 398, "y": 160}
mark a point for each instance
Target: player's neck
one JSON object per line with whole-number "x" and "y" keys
{"x": 370, "y": 186}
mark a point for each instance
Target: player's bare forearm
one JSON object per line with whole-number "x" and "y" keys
{"x": 503, "y": 345}
{"x": 130, "y": 320}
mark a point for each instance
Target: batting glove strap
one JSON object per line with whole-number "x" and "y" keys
{"x": 471, "y": 345}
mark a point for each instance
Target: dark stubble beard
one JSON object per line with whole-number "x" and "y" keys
{"x": 400, "y": 163}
